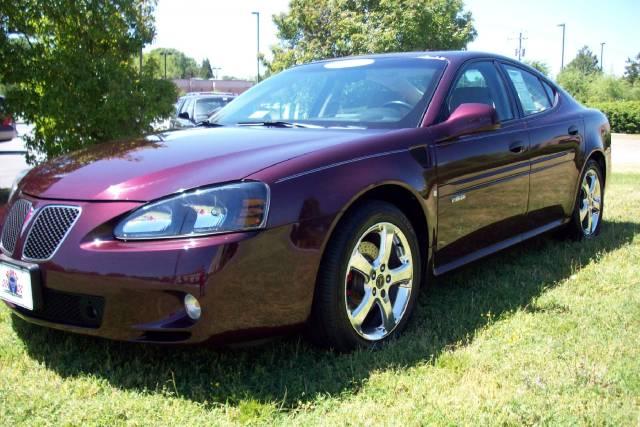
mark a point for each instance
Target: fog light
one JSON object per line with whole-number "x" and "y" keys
{"x": 192, "y": 306}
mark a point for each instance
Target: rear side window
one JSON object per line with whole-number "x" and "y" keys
{"x": 550, "y": 93}
{"x": 480, "y": 83}
{"x": 531, "y": 93}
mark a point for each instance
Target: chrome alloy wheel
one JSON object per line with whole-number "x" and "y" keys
{"x": 379, "y": 281}
{"x": 590, "y": 202}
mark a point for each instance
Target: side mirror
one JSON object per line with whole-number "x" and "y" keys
{"x": 467, "y": 119}
{"x": 183, "y": 115}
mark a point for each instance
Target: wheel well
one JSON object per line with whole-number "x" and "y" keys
{"x": 407, "y": 202}
{"x": 599, "y": 157}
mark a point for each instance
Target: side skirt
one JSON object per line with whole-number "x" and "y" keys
{"x": 498, "y": 247}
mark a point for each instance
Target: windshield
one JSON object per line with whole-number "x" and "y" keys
{"x": 206, "y": 106}
{"x": 364, "y": 93}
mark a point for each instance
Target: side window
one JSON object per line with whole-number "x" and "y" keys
{"x": 531, "y": 93}
{"x": 550, "y": 93}
{"x": 186, "y": 107}
{"x": 480, "y": 83}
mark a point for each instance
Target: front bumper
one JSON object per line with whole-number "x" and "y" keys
{"x": 249, "y": 285}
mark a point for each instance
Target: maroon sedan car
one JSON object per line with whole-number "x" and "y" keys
{"x": 325, "y": 196}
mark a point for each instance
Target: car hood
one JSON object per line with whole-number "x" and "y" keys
{"x": 148, "y": 168}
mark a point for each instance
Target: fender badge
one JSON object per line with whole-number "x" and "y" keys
{"x": 458, "y": 198}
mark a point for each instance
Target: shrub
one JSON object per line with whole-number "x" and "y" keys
{"x": 624, "y": 116}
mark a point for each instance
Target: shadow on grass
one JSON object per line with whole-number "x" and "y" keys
{"x": 290, "y": 372}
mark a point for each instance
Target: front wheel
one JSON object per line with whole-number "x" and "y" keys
{"x": 369, "y": 279}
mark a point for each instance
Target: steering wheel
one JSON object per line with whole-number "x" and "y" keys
{"x": 398, "y": 105}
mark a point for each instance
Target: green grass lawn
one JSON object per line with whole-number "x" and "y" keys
{"x": 544, "y": 333}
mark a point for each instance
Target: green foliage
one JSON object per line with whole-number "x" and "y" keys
{"x": 624, "y": 117}
{"x": 598, "y": 87}
{"x": 585, "y": 62}
{"x": 541, "y": 66}
{"x": 205, "y": 69}
{"x": 317, "y": 29}
{"x": 69, "y": 70}
{"x": 179, "y": 65}
{"x": 632, "y": 69}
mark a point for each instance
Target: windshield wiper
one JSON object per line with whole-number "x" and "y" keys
{"x": 208, "y": 124}
{"x": 275, "y": 124}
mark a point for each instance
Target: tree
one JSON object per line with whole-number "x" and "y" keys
{"x": 316, "y": 29}
{"x": 179, "y": 65}
{"x": 543, "y": 67}
{"x": 632, "y": 69}
{"x": 585, "y": 62}
{"x": 205, "y": 70}
{"x": 71, "y": 69}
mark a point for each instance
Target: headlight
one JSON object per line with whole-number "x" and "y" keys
{"x": 16, "y": 182}
{"x": 202, "y": 212}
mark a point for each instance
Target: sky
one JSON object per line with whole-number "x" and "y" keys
{"x": 225, "y": 30}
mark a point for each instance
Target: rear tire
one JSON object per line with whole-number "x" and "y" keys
{"x": 586, "y": 220}
{"x": 354, "y": 308}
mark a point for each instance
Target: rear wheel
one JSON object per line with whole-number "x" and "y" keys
{"x": 368, "y": 281}
{"x": 587, "y": 215}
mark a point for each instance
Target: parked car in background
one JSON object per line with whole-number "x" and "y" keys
{"x": 324, "y": 196}
{"x": 7, "y": 124}
{"x": 194, "y": 108}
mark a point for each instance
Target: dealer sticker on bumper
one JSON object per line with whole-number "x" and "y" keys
{"x": 15, "y": 285}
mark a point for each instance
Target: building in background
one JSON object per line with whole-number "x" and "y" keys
{"x": 235, "y": 87}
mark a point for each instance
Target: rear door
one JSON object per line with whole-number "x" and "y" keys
{"x": 483, "y": 179}
{"x": 555, "y": 138}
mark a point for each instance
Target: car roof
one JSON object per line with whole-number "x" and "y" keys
{"x": 457, "y": 56}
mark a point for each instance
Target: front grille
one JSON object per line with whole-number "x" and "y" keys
{"x": 68, "y": 309}
{"x": 13, "y": 225}
{"x": 49, "y": 230}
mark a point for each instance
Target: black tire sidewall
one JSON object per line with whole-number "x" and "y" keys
{"x": 339, "y": 254}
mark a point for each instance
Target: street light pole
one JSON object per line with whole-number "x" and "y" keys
{"x": 258, "y": 46}
{"x": 562, "y": 60}
{"x": 601, "y": 52}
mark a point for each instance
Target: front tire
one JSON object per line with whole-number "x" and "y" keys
{"x": 368, "y": 281}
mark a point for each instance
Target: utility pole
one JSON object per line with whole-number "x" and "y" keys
{"x": 562, "y": 58}
{"x": 258, "y": 46}
{"x": 601, "y": 52}
{"x": 520, "y": 51}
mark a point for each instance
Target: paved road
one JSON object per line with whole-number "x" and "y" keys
{"x": 626, "y": 155}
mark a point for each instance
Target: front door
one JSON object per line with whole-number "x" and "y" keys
{"x": 483, "y": 179}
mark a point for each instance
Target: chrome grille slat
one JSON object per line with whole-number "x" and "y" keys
{"x": 13, "y": 225}
{"x": 51, "y": 226}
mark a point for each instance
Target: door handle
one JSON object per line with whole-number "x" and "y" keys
{"x": 573, "y": 130}
{"x": 517, "y": 147}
